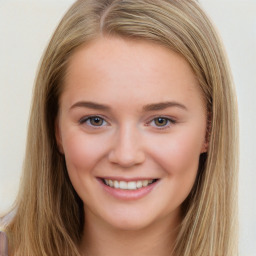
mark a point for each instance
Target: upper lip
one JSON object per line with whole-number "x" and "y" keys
{"x": 127, "y": 179}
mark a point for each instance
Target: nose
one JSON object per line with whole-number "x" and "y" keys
{"x": 127, "y": 148}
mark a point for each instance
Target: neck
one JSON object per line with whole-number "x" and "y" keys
{"x": 99, "y": 239}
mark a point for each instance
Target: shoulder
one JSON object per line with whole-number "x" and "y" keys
{"x": 3, "y": 244}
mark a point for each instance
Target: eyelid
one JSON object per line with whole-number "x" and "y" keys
{"x": 171, "y": 121}
{"x": 84, "y": 119}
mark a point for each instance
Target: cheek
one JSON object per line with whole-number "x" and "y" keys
{"x": 81, "y": 152}
{"x": 178, "y": 153}
{"x": 179, "y": 159}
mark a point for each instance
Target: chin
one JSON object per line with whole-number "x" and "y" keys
{"x": 130, "y": 225}
{"x": 130, "y": 221}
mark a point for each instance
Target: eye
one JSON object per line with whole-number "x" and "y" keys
{"x": 161, "y": 122}
{"x": 96, "y": 121}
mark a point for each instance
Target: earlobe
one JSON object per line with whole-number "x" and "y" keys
{"x": 58, "y": 137}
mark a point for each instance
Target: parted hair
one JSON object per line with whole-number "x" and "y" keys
{"x": 49, "y": 214}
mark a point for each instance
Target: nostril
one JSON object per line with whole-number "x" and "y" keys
{"x": 126, "y": 159}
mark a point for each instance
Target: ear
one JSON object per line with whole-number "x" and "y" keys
{"x": 205, "y": 145}
{"x": 58, "y": 137}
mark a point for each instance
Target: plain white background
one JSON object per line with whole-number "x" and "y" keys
{"x": 25, "y": 29}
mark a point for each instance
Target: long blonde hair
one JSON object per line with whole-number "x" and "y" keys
{"x": 48, "y": 212}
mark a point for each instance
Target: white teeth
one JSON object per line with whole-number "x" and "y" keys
{"x": 110, "y": 183}
{"x": 123, "y": 185}
{"x": 116, "y": 184}
{"x": 139, "y": 184}
{"x": 131, "y": 185}
{"x": 144, "y": 183}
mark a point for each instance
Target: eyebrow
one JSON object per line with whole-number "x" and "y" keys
{"x": 89, "y": 104}
{"x": 146, "y": 108}
{"x": 163, "y": 105}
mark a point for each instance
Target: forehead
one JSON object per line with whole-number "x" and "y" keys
{"x": 128, "y": 69}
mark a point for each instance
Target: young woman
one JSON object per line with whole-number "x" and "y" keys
{"x": 132, "y": 141}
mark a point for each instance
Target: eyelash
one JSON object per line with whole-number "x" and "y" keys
{"x": 89, "y": 118}
{"x": 169, "y": 121}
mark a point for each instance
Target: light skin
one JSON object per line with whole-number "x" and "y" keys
{"x": 130, "y": 110}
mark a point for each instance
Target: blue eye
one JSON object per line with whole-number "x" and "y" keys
{"x": 94, "y": 121}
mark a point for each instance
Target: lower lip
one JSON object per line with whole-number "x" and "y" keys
{"x": 126, "y": 194}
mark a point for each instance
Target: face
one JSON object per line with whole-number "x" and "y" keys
{"x": 131, "y": 125}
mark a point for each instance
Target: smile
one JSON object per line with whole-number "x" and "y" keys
{"x": 130, "y": 185}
